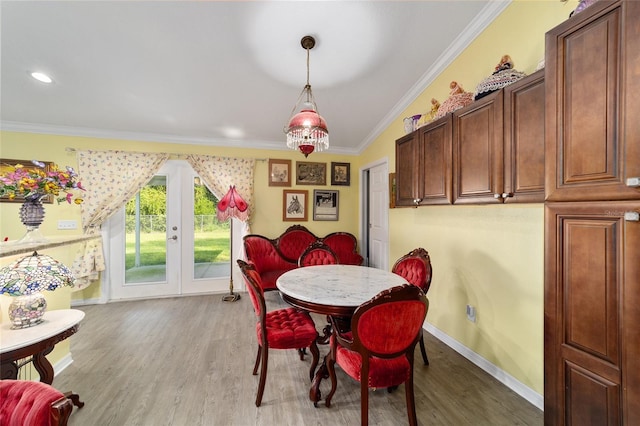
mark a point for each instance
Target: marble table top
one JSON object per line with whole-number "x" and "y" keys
{"x": 336, "y": 285}
{"x": 53, "y": 323}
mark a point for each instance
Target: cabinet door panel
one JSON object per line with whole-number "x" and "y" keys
{"x": 524, "y": 140}
{"x": 592, "y": 149}
{"x": 602, "y": 398}
{"x": 477, "y": 151}
{"x": 406, "y": 169}
{"x": 435, "y": 153}
{"x": 591, "y": 312}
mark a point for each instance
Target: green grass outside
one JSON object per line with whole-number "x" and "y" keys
{"x": 209, "y": 247}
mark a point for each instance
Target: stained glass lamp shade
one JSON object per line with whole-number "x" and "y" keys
{"x": 232, "y": 206}
{"x": 26, "y": 279}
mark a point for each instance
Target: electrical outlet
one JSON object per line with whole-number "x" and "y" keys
{"x": 67, "y": 224}
{"x": 471, "y": 313}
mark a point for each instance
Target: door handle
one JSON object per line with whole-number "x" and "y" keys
{"x": 174, "y": 238}
{"x": 632, "y": 216}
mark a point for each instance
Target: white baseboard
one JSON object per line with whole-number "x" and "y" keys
{"x": 59, "y": 367}
{"x": 85, "y": 302}
{"x": 502, "y": 376}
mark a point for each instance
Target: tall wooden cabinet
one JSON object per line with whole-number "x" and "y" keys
{"x": 592, "y": 210}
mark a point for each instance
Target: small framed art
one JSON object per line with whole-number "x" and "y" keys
{"x": 294, "y": 205}
{"x": 340, "y": 174}
{"x": 7, "y": 166}
{"x": 325, "y": 204}
{"x": 309, "y": 173}
{"x": 279, "y": 172}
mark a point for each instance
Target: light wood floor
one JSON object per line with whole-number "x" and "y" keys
{"x": 188, "y": 361}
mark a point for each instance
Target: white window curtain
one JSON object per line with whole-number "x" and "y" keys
{"x": 111, "y": 178}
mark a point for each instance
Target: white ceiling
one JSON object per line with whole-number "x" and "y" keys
{"x": 224, "y": 73}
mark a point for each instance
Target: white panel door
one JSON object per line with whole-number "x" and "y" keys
{"x": 379, "y": 217}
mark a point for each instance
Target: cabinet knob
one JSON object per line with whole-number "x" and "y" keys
{"x": 497, "y": 196}
{"x": 507, "y": 195}
{"x": 417, "y": 201}
{"x": 633, "y": 182}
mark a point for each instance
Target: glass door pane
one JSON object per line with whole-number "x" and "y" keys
{"x": 146, "y": 234}
{"x": 211, "y": 252}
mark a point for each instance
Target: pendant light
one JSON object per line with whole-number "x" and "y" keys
{"x": 306, "y": 130}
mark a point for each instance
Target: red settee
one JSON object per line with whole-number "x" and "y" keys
{"x": 273, "y": 257}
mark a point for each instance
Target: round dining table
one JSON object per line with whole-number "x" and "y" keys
{"x": 336, "y": 291}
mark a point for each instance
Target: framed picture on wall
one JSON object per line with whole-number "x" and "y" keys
{"x": 340, "y": 174}
{"x": 294, "y": 205}
{"x": 279, "y": 172}
{"x": 309, "y": 173}
{"x": 325, "y": 204}
{"x": 7, "y": 166}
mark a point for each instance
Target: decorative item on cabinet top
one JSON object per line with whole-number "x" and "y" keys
{"x": 503, "y": 75}
{"x": 582, "y": 5}
{"x": 457, "y": 99}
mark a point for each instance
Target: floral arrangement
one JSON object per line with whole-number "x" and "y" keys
{"x": 30, "y": 182}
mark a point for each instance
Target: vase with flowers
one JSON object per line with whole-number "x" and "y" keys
{"x": 32, "y": 183}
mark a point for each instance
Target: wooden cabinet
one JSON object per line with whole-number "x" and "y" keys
{"x": 524, "y": 140}
{"x": 592, "y": 231}
{"x": 478, "y": 151}
{"x": 498, "y": 146}
{"x": 423, "y": 165}
{"x": 491, "y": 151}
{"x": 591, "y": 314}
{"x": 593, "y": 100}
{"x": 407, "y": 170}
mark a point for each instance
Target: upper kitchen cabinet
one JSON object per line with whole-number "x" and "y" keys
{"x": 524, "y": 140}
{"x": 592, "y": 83}
{"x": 407, "y": 170}
{"x": 478, "y": 151}
{"x": 423, "y": 165}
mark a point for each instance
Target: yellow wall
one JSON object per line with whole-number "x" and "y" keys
{"x": 267, "y": 219}
{"x": 488, "y": 256}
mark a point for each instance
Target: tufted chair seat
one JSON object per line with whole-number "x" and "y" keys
{"x": 344, "y": 245}
{"x": 287, "y": 329}
{"x": 26, "y": 403}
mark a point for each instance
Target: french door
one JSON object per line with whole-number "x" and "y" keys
{"x": 160, "y": 247}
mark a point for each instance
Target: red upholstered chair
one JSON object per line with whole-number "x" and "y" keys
{"x": 29, "y": 403}
{"x": 318, "y": 253}
{"x": 286, "y": 328}
{"x": 293, "y": 241}
{"x": 345, "y": 246}
{"x": 415, "y": 267}
{"x": 378, "y": 351}
{"x": 262, "y": 253}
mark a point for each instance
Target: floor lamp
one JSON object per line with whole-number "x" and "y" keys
{"x": 232, "y": 206}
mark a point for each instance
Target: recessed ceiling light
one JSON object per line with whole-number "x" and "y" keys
{"x": 41, "y": 77}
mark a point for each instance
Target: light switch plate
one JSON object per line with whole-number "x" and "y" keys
{"x": 67, "y": 224}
